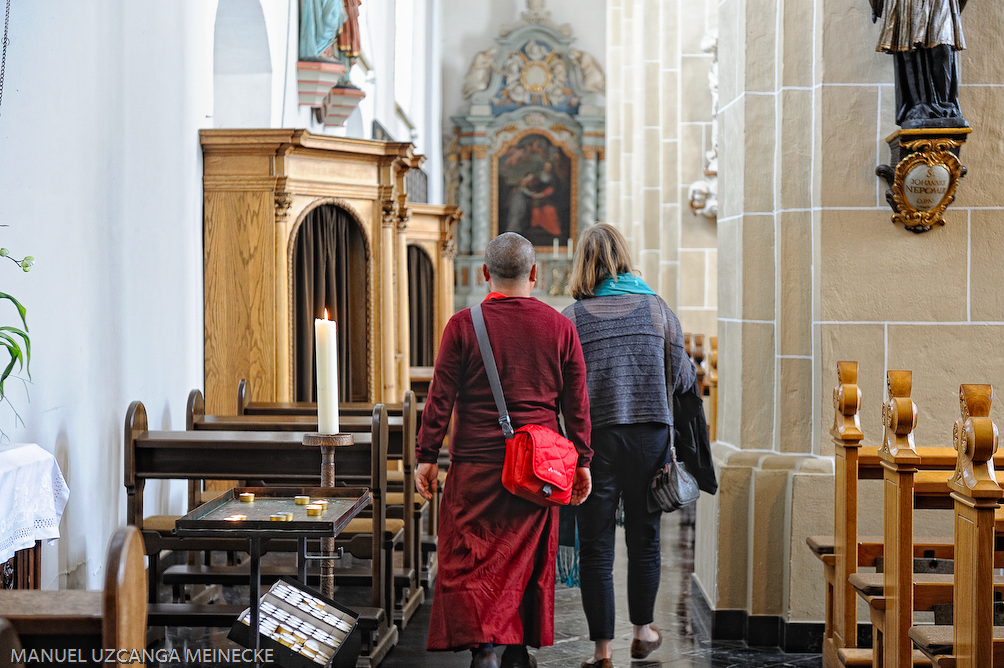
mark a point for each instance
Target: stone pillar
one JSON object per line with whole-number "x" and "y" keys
{"x": 403, "y": 354}
{"x": 587, "y": 189}
{"x": 466, "y": 190}
{"x": 387, "y": 301}
{"x": 601, "y": 186}
{"x": 445, "y": 307}
{"x": 608, "y": 206}
{"x": 482, "y": 195}
{"x": 642, "y": 138}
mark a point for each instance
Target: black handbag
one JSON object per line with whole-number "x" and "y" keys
{"x": 672, "y": 487}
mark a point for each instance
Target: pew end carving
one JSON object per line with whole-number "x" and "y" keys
{"x": 899, "y": 418}
{"x": 976, "y": 493}
{"x": 975, "y": 438}
{"x": 847, "y": 436}
{"x": 846, "y": 403}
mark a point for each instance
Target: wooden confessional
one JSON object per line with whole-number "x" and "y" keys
{"x": 284, "y": 207}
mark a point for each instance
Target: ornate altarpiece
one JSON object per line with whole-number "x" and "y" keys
{"x": 528, "y": 150}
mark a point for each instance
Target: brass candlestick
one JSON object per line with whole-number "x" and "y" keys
{"x": 328, "y": 443}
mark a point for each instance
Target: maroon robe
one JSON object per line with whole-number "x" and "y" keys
{"x": 496, "y": 551}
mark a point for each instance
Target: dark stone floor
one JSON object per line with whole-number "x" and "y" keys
{"x": 683, "y": 645}
{"x": 686, "y": 643}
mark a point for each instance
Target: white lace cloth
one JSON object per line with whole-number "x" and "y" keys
{"x": 32, "y": 497}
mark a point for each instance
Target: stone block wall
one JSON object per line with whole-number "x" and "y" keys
{"x": 659, "y": 112}
{"x": 812, "y": 271}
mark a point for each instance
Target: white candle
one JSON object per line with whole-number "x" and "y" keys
{"x": 571, "y": 248}
{"x": 556, "y": 246}
{"x": 326, "y": 346}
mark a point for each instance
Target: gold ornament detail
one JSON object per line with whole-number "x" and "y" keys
{"x": 936, "y": 155}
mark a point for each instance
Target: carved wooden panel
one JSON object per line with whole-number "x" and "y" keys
{"x": 240, "y": 295}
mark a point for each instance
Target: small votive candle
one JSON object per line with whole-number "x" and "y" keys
{"x": 301, "y": 500}
{"x": 289, "y": 517}
{"x": 247, "y": 497}
{"x": 278, "y": 517}
{"x": 237, "y": 518}
{"x": 313, "y": 510}
{"x": 323, "y": 503}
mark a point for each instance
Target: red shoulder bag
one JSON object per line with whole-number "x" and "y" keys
{"x": 539, "y": 462}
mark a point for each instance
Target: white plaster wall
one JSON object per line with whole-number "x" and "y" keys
{"x": 469, "y": 27}
{"x": 101, "y": 182}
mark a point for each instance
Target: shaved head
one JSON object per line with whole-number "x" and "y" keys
{"x": 510, "y": 257}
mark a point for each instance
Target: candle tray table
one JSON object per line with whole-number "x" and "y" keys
{"x": 302, "y": 627}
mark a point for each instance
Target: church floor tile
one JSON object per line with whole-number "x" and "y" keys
{"x": 685, "y": 645}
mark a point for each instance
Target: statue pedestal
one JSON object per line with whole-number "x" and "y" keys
{"x": 923, "y": 175}
{"x": 315, "y": 79}
{"x": 339, "y": 105}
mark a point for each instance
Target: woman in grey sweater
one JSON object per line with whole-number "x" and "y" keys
{"x": 635, "y": 361}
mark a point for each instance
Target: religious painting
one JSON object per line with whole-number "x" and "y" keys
{"x": 535, "y": 190}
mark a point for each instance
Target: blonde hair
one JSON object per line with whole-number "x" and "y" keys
{"x": 603, "y": 251}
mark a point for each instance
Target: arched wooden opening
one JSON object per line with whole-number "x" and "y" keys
{"x": 330, "y": 272}
{"x": 421, "y": 307}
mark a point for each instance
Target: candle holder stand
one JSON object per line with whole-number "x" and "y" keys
{"x": 327, "y": 443}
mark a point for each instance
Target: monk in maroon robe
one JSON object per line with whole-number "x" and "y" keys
{"x": 497, "y": 551}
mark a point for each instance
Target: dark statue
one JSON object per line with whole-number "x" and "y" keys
{"x": 923, "y": 36}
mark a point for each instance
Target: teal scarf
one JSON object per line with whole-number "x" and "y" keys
{"x": 626, "y": 284}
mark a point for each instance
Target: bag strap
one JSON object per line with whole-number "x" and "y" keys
{"x": 488, "y": 357}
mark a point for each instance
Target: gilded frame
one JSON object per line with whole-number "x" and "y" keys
{"x": 573, "y": 159}
{"x": 933, "y": 153}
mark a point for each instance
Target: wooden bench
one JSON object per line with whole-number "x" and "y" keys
{"x": 402, "y": 430}
{"x": 972, "y": 641}
{"x": 910, "y": 483}
{"x": 277, "y": 456}
{"x": 846, "y": 552}
{"x": 308, "y": 411}
{"x": 914, "y": 477}
{"x": 114, "y": 618}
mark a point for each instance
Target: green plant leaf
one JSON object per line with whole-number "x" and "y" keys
{"x": 27, "y": 345}
{"x": 20, "y": 309}
{"x": 6, "y": 374}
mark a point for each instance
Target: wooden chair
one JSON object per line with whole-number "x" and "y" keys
{"x": 114, "y": 618}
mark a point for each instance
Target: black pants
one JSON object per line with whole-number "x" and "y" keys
{"x": 625, "y": 458}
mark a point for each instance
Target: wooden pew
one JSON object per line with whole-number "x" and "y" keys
{"x": 846, "y": 552}
{"x": 245, "y": 406}
{"x": 308, "y": 409}
{"x": 114, "y": 618}
{"x": 276, "y": 455}
{"x": 973, "y": 641}
{"x": 401, "y": 447}
{"x": 421, "y": 378}
{"x": 10, "y": 646}
{"x": 914, "y": 477}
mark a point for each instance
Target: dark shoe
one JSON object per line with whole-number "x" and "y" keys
{"x": 642, "y": 648}
{"x": 603, "y": 663}
{"x": 516, "y": 656}
{"x": 485, "y": 658}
